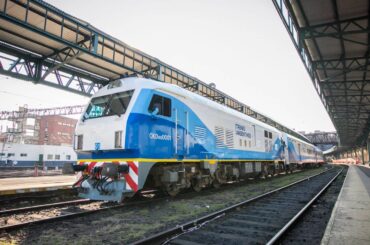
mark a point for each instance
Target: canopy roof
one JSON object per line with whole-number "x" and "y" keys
{"x": 332, "y": 38}
{"x": 46, "y": 40}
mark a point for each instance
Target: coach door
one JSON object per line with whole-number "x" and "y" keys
{"x": 181, "y": 124}
{"x": 286, "y": 150}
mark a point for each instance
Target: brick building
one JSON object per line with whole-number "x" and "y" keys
{"x": 56, "y": 130}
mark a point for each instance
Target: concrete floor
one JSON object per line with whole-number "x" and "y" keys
{"x": 350, "y": 220}
{"x": 34, "y": 184}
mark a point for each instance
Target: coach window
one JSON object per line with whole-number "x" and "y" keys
{"x": 57, "y": 157}
{"x": 270, "y": 135}
{"x": 50, "y": 157}
{"x": 254, "y": 135}
{"x": 68, "y": 157}
{"x": 162, "y": 104}
{"x": 23, "y": 154}
{"x": 266, "y": 134}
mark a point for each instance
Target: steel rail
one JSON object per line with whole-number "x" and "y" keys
{"x": 128, "y": 204}
{"x": 43, "y": 206}
{"x": 8, "y": 228}
{"x": 291, "y": 222}
{"x": 180, "y": 229}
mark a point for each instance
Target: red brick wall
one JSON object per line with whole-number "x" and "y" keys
{"x": 56, "y": 130}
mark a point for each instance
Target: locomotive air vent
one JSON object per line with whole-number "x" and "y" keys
{"x": 200, "y": 134}
{"x": 229, "y": 138}
{"x": 220, "y": 137}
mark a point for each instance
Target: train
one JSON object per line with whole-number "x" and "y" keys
{"x": 28, "y": 155}
{"x": 138, "y": 134}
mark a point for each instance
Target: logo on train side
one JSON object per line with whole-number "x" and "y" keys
{"x": 155, "y": 136}
{"x": 242, "y": 131}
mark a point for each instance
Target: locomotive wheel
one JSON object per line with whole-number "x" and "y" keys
{"x": 172, "y": 190}
{"x": 197, "y": 187}
{"x": 195, "y": 184}
{"x": 273, "y": 172}
{"x": 216, "y": 184}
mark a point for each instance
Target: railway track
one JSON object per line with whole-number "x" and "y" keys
{"x": 43, "y": 206}
{"x": 23, "y": 216}
{"x": 77, "y": 212}
{"x": 261, "y": 220}
{"x": 74, "y": 209}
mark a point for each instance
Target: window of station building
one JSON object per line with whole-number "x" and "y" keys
{"x": 57, "y": 157}
{"x": 50, "y": 157}
{"x": 68, "y": 157}
{"x": 162, "y": 104}
{"x": 30, "y": 121}
{"x": 23, "y": 154}
{"x": 30, "y": 132}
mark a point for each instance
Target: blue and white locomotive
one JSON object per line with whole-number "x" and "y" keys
{"x": 138, "y": 133}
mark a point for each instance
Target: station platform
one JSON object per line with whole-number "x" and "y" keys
{"x": 350, "y": 219}
{"x": 9, "y": 186}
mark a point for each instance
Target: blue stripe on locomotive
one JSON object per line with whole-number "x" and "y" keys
{"x": 141, "y": 124}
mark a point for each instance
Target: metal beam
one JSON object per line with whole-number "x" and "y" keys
{"x": 338, "y": 85}
{"x": 337, "y": 29}
{"x": 65, "y": 78}
{"x": 39, "y": 112}
{"x": 114, "y": 57}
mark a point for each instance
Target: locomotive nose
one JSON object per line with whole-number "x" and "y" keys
{"x": 100, "y": 134}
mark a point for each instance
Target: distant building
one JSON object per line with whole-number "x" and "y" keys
{"x": 3, "y": 137}
{"x": 24, "y": 130}
{"x": 40, "y": 130}
{"x": 56, "y": 130}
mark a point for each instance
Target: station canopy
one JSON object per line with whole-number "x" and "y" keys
{"x": 332, "y": 39}
{"x": 45, "y": 45}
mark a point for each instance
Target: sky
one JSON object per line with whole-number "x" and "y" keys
{"x": 240, "y": 45}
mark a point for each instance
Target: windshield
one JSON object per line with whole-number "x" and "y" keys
{"x": 108, "y": 105}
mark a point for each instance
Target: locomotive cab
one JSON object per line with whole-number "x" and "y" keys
{"x": 106, "y": 112}
{"x": 124, "y": 121}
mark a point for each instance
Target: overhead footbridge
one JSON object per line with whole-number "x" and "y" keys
{"x": 45, "y": 45}
{"x": 332, "y": 39}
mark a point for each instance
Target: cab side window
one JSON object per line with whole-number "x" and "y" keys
{"x": 162, "y": 104}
